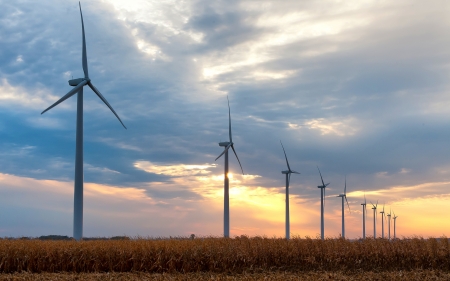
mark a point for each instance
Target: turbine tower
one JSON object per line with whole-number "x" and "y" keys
{"x": 78, "y": 85}
{"x": 288, "y": 173}
{"x": 322, "y": 205}
{"x": 364, "y": 216}
{"x": 389, "y": 225}
{"x": 382, "y": 223}
{"x": 343, "y": 209}
{"x": 226, "y": 203}
{"x": 395, "y": 218}
{"x": 374, "y": 208}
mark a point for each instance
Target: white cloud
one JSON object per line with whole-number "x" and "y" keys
{"x": 17, "y": 96}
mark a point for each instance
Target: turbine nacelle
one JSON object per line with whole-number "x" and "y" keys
{"x": 225, "y": 143}
{"x": 286, "y": 172}
{"x": 75, "y": 82}
{"x": 341, "y": 195}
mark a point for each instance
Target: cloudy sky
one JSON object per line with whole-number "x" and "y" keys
{"x": 358, "y": 88}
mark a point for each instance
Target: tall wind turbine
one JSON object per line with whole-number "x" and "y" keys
{"x": 389, "y": 225}
{"x": 343, "y": 209}
{"x": 364, "y": 216}
{"x": 78, "y": 85}
{"x": 322, "y": 203}
{"x": 374, "y": 208}
{"x": 226, "y": 203}
{"x": 288, "y": 173}
{"x": 382, "y": 223}
{"x": 395, "y": 218}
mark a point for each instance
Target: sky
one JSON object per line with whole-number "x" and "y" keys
{"x": 357, "y": 88}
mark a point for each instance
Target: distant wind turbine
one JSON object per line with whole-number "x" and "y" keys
{"x": 374, "y": 208}
{"x": 78, "y": 85}
{"x": 226, "y": 203}
{"x": 382, "y": 223}
{"x": 395, "y": 218}
{"x": 364, "y": 216}
{"x": 344, "y": 195}
{"x": 389, "y": 225}
{"x": 288, "y": 173}
{"x": 322, "y": 203}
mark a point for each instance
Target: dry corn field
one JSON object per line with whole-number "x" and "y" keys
{"x": 240, "y": 258}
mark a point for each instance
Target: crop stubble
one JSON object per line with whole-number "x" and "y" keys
{"x": 257, "y": 256}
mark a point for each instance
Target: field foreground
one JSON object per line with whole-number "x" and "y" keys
{"x": 309, "y": 275}
{"x": 241, "y": 257}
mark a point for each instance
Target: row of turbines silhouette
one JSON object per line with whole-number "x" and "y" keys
{"x": 322, "y": 187}
{"x": 79, "y": 84}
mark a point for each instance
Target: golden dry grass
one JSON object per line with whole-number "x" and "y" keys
{"x": 241, "y": 255}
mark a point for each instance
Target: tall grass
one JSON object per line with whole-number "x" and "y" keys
{"x": 221, "y": 255}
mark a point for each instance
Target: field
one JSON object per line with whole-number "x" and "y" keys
{"x": 240, "y": 258}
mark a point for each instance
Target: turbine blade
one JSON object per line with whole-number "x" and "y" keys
{"x": 345, "y": 187}
{"x": 320, "y": 175}
{"x": 294, "y": 172}
{"x": 376, "y": 205}
{"x": 232, "y": 147}
{"x": 105, "y": 101}
{"x": 229, "y": 120}
{"x": 225, "y": 150}
{"x": 68, "y": 95}
{"x": 289, "y": 179}
{"x": 347, "y": 203}
{"x": 287, "y": 162}
{"x": 84, "y": 58}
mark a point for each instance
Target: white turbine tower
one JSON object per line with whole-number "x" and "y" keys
{"x": 389, "y": 225}
{"x": 395, "y": 218}
{"x": 322, "y": 205}
{"x": 226, "y": 203}
{"x": 374, "y": 208}
{"x": 364, "y": 216}
{"x": 288, "y": 173}
{"x": 344, "y": 195}
{"x": 78, "y": 85}
{"x": 382, "y": 223}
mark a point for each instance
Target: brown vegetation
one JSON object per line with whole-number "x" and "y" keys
{"x": 241, "y": 255}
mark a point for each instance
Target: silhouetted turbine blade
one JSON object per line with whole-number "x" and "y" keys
{"x": 287, "y": 162}
{"x": 105, "y": 101}
{"x": 68, "y": 95}
{"x": 232, "y": 146}
{"x": 347, "y": 204}
{"x": 289, "y": 179}
{"x": 225, "y": 150}
{"x": 84, "y": 58}
{"x": 345, "y": 187}
{"x": 229, "y": 120}
{"x": 294, "y": 172}
{"x": 320, "y": 176}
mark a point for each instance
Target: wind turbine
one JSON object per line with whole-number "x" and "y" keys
{"x": 226, "y": 203}
{"x": 343, "y": 209}
{"x": 364, "y": 216}
{"x": 382, "y": 223}
{"x": 78, "y": 85}
{"x": 288, "y": 173}
{"x": 374, "y": 208}
{"x": 322, "y": 204}
{"x": 395, "y": 218}
{"x": 389, "y": 225}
